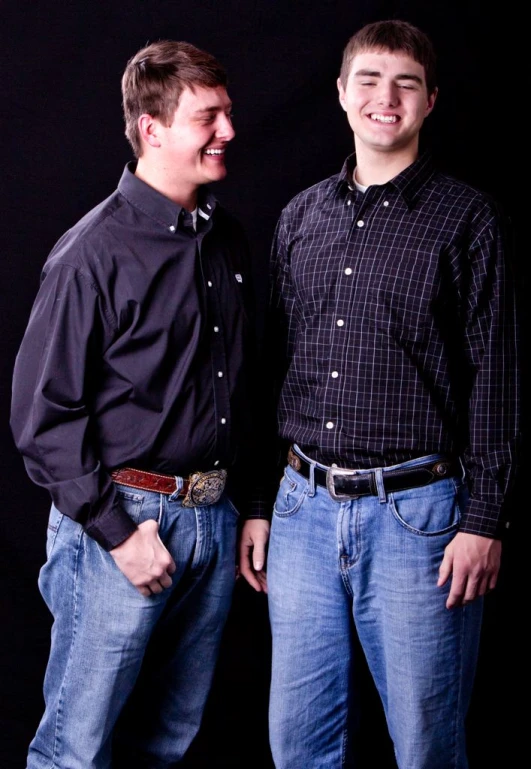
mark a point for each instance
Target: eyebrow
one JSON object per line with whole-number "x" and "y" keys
{"x": 377, "y": 73}
{"x": 212, "y": 110}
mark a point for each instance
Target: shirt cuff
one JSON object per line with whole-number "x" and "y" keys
{"x": 111, "y": 529}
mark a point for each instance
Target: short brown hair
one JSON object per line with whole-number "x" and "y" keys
{"x": 155, "y": 77}
{"x": 392, "y": 35}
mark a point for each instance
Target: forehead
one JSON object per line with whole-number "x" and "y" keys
{"x": 385, "y": 63}
{"x": 199, "y": 99}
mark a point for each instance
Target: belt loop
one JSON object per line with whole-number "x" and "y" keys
{"x": 378, "y": 477}
{"x": 311, "y": 480}
{"x": 178, "y": 487}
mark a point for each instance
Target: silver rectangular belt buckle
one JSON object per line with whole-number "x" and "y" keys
{"x": 205, "y": 488}
{"x": 331, "y": 474}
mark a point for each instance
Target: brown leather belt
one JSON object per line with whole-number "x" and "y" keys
{"x": 351, "y": 484}
{"x": 198, "y": 490}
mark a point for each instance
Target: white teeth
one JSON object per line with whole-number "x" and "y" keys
{"x": 214, "y": 152}
{"x": 384, "y": 118}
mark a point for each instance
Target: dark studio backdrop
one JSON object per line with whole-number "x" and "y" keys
{"x": 63, "y": 150}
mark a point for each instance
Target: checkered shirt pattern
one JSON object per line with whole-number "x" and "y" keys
{"x": 395, "y": 312}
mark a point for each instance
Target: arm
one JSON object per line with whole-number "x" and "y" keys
{"x": 58, "y": 361}
{"x": 56, "y": 371}
{"x": 472, "y": 559}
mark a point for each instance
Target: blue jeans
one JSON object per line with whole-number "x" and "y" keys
{"x": 367, "y": 566}
{"x": 128, "y": 676}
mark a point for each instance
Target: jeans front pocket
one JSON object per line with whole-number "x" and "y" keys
{"x": 131, "y": 502}
{"x": 54, "y": 522}
{"x": 291, "y": 494}
{"x": 430, "y": 510}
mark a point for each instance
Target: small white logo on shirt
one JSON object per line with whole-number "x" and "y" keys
{"x": 238, "y": 277}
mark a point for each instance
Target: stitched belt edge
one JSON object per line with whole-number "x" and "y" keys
{"x": 199, "y": 489}
{"x": 393, "y": 480}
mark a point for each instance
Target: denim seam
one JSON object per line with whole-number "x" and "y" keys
{"x": 68, "y": 664}
{"x": 345, "y": 562}
{"x": 344, "y": 747}
{"x": 458, "y": 709}
{"x": 203, "y": 546}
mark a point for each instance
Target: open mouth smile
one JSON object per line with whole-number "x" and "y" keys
{"x": 384, "y": 118}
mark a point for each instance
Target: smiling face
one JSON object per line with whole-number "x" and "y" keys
{"x": 193, "y": 146}
{"x": 386, "y": 101}
{"x": 180, "y": 157}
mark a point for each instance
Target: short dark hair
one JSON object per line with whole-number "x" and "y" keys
{"x": 155, "y": 77}
{"x": 392, "y": 35}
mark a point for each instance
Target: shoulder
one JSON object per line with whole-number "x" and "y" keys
{"x": 465, "y": 200}
{"x": 311, "y": 197}
{"x": 77, "y": 247}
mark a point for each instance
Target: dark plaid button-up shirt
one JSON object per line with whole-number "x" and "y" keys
{"x": 396, "y": 314}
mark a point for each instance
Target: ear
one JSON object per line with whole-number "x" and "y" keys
{"x": 431, "y": 101}
{"x": 149, "y": 127}
{"x": 342, "y": 95}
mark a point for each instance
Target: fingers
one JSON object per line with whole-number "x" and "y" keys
{"x": 472, "y": 562}
{"x": 258, "y": 555}
{"x": 252, "y": 552}
{"x": 256, "y": 579}
{"x": 145, "y": 561}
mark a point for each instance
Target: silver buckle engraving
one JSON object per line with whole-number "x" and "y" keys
{"x": 331, "y": 474}
{"x": 205, "y": 488}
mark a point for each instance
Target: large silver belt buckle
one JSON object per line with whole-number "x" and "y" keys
{"x": 205, "y": 488}
{"x": 331, "y": 474}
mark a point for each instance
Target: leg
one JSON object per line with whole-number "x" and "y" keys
{"x": 164, "y": 713}
{"x": 422, "y": 656}
{"x": 310, "y": 612}
{"x": 101, "y": 627}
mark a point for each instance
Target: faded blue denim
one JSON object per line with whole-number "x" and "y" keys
{"x": 114, "y": 651}
{"x": 369, "y": 566}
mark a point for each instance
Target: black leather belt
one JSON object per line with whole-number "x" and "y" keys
{"x": 349, "y": 484}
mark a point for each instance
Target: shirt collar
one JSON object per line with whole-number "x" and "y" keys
{"x": 408, "y": 183}
{"x": 155, "y": 204}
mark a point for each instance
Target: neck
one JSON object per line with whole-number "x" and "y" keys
{"x": 376, "y": 167}
{"x": 161, "y": 180}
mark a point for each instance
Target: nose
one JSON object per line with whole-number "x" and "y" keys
{"x": 388, "y": 94}
{"x": 224, "y": 128}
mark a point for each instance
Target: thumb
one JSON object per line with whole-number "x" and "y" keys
{"x": 258, "y": 556}
{"x": 445, "y": 569}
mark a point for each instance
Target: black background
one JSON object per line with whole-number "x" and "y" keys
{"x": 63, "y": 150}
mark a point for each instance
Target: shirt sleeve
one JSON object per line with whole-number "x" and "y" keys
{"x": 55, "y": 372}
{"x": 492, "y": 349}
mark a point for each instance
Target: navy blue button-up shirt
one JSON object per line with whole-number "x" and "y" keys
{"x": 134, "y": 352}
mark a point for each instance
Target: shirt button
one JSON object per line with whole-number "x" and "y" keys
{"x": 348, "y": 271}
{"x": 223, "y": 421}
{"x": 334, "y": 374}
{"x": 386, "y": 203}
{"x": 209, "y": 283}
{"x": 360, "y": 223}
{"x": 220, "y": 373}
{"x": 334, "y": 464}
{"x": 171, "y": 228}
{"x": 329, "y": 425}
{"x": 216, "y": 463}
{"x": 216, "y": 329}
{"x": 340, "y": 322}
{"x": 349, "y": 202}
